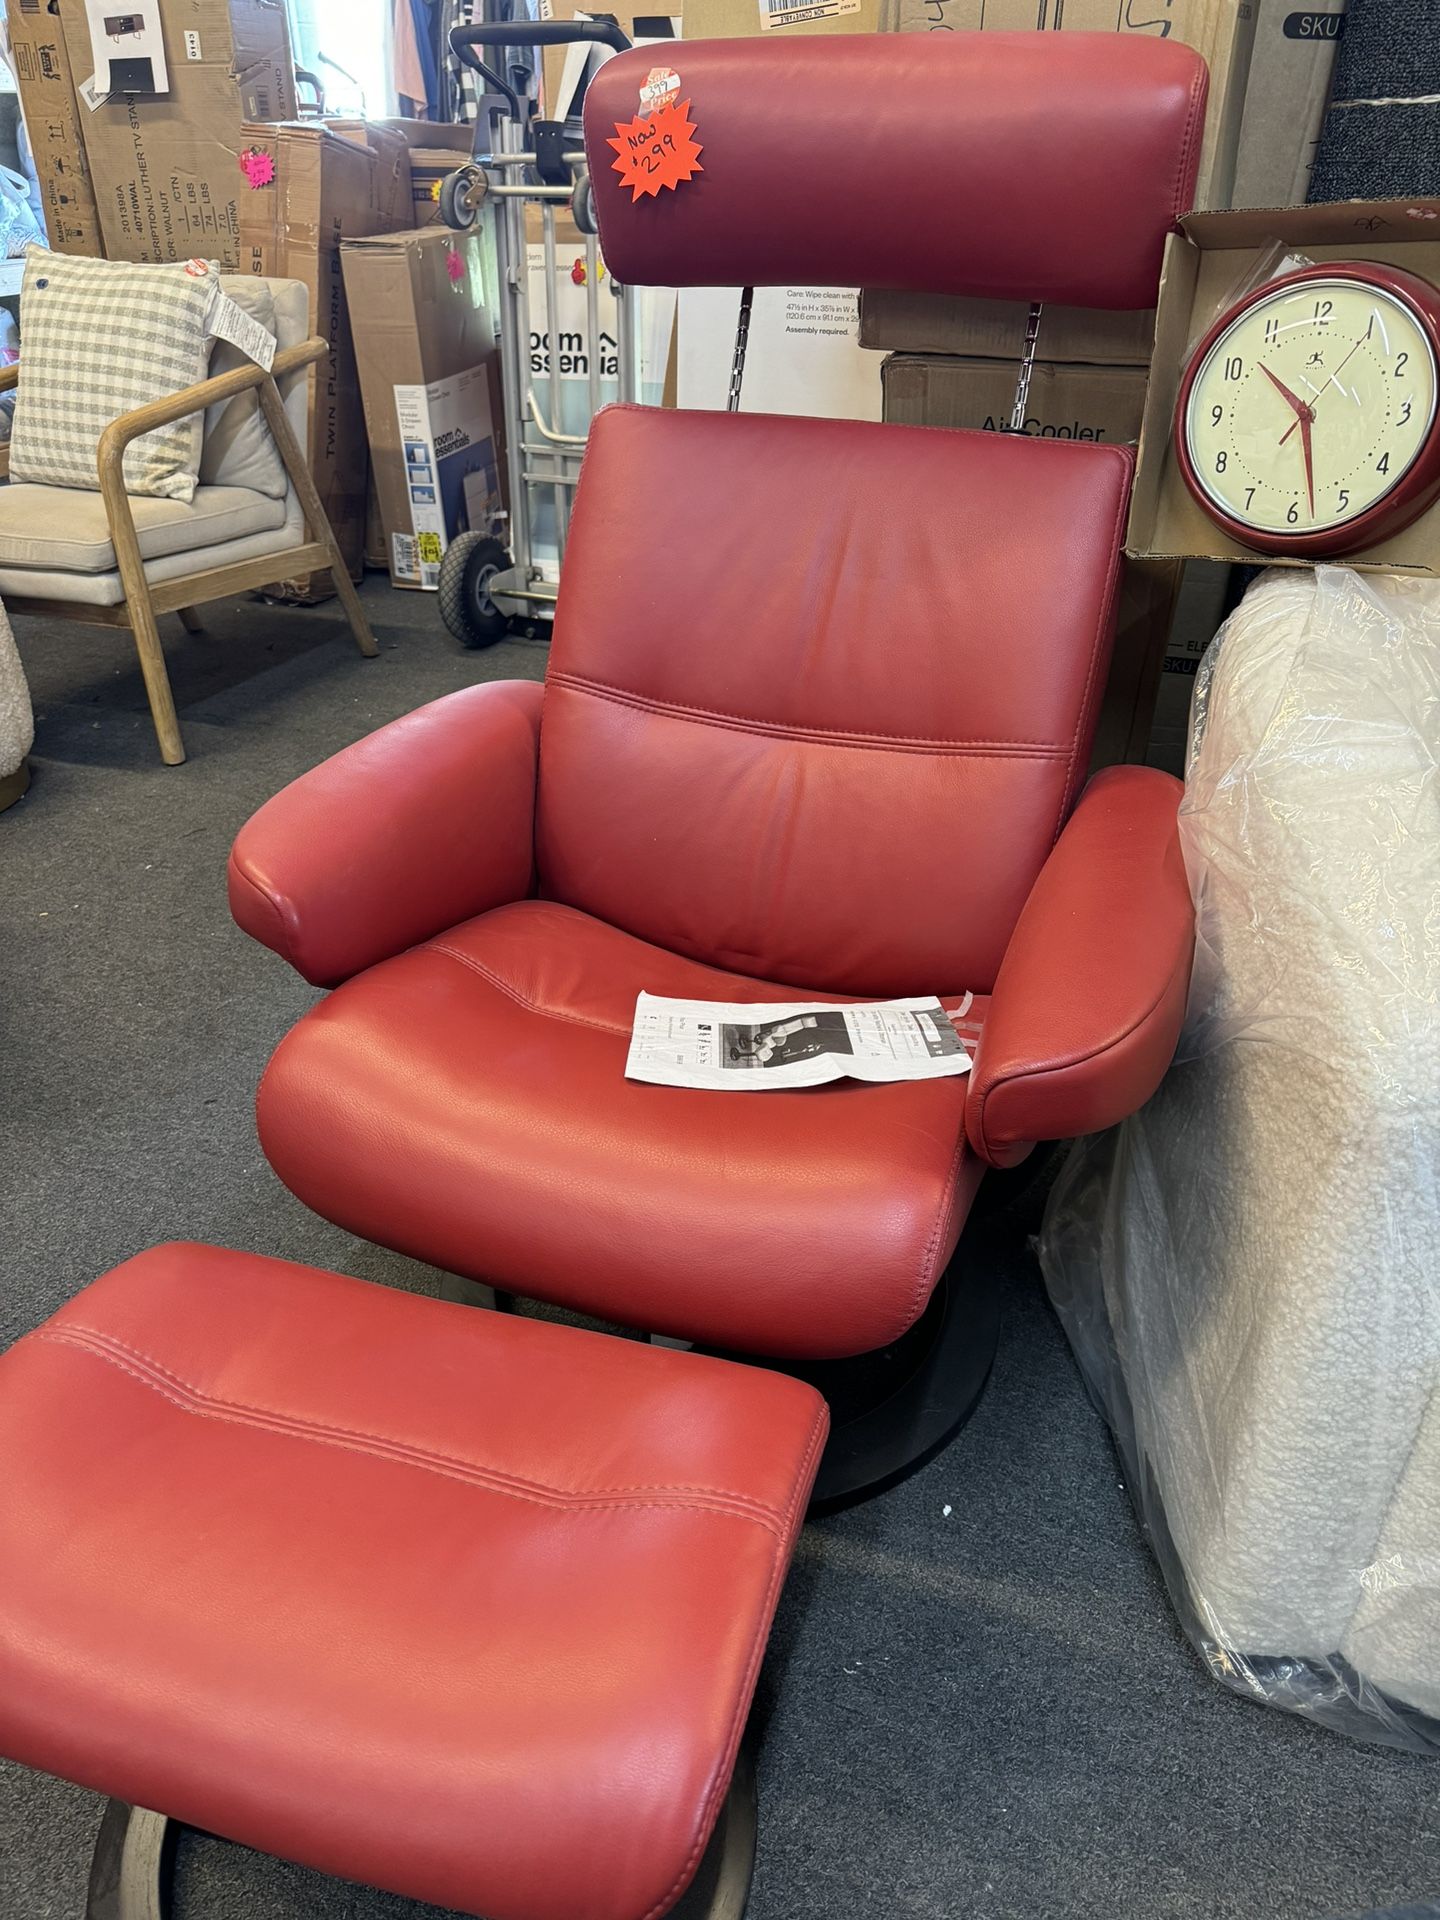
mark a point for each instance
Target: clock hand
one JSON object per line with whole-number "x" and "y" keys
{"x": 1298, "y": 404}
{"x": 1345, "y": 362}
{"x": 1305, "y": 421}
{"x": 1330, "y": 380}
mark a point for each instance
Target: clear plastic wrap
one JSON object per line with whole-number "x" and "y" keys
{"x": 1249, "y": 1269}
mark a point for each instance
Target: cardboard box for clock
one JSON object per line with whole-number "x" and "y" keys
{"x": 1205, "y": 264}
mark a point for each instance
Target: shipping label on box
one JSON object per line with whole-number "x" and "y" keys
{"x": 451, "y": 471}
{"x": 734, "y": 19}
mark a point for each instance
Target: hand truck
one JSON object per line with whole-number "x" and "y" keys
{"x": 486, "y": 581}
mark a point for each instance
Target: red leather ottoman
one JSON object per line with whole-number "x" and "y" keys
{"x": 460, "y": 1604}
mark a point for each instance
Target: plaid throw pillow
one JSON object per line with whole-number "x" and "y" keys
{"x": 98, "y": 338}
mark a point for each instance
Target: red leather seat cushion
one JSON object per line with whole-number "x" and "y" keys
{"x": 466, "y": 1103}
{"x": 459, "y": 1604}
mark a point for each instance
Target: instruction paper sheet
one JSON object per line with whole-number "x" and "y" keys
{"x": 732, "y": 1046}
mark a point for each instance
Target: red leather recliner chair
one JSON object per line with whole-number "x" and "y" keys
{"x": 817, "y": 719}
{"x": 816, "y": 722}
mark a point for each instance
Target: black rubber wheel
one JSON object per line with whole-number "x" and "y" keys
{"x": 582, "y": 205}
{"x": 459, "y": 203}
{"x": 471, "y": 562}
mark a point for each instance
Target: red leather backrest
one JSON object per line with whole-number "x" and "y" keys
{"x": 821, "y": 691}
{"x": 1014, "y": 166}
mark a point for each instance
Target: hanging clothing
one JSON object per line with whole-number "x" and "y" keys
{"x": 422, "y": 17}
{"x": 409, "y": 69}
{"x": 464, "y": 82}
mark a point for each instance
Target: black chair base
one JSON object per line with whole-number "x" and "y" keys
{"x": 893, "y": 1410}
{"x": 132, "y": 1867}
{"x": 134, "y": 1862}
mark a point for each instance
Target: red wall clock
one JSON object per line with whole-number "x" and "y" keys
{"x": 1306, "y": 422}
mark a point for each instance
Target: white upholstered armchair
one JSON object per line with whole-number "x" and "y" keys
{"x": 119, "y": 560}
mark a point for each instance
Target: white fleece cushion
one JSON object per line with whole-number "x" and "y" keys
{"x": 17, "y": 723}
{"x": 102, "y": 337}
{"x": 1260, "y": 1258}
{"x": 238, "y": 450}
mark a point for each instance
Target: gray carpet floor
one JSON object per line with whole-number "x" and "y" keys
{"x": 977, "y": 1701}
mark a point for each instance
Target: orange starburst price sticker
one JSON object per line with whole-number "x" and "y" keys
{"x": 658, "y": 150}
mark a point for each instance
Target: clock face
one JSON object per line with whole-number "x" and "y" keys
{"x": 1310, "y": 407}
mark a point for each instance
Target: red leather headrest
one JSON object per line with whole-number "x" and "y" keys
{"x": 1014, "y": 166}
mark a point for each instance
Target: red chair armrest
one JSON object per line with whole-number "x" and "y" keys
{"x": 1087, "y": 1008}
{"x": 416, "y": 827}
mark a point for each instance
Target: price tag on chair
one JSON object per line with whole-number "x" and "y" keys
{"x": 228, "y": 320}
{"x": 657, "y": 149}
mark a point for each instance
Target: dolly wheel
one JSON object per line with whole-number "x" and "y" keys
{"x": 582, "y": 206}
{"x": 461, "y": 195}
{"x": 471, "y": 562}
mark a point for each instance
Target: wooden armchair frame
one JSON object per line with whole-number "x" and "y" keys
{"x": 144, "y": 602}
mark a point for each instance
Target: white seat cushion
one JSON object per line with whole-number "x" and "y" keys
{"x": 64, "y": 530}
{"x": 20, "y": 585}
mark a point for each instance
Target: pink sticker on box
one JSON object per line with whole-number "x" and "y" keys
{"x": 258, "y": 167}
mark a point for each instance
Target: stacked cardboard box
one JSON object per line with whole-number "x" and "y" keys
{"x": 426, "y": 346}
{"x": 1067, "y": 401}
{"x": 52, "y": 110}
{"x": 169, "y": 180}
{"x": 432, "y": 150}
{"x": 1222, "y": 31}
{"x": 1101, "y": 404}
{"x": 1104, "y": 404}
{"x": 319, "y": 184}
{"x": 1289, "y": 84}
{"x": 1090, "y": 380}
{"x": 429, "y": 167}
